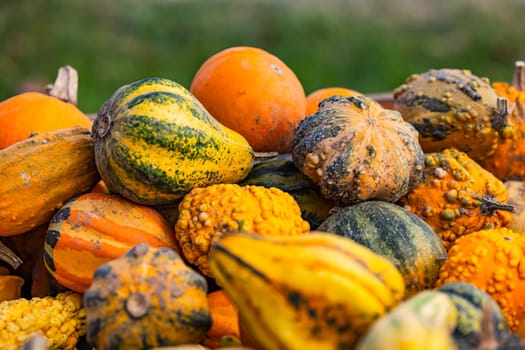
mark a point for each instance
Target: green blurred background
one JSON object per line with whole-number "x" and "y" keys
{"x": 366, "y": 45}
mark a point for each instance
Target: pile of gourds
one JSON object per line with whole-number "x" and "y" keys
{"x": 155, "y": 225}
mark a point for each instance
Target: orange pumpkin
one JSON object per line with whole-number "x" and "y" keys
{"x": 225, "y": 319}
{"x": 507, "y": 161}
{"x": 254, "y": 93}
{"x": 30, "y": 112}
{"x": 315, "y": 97}
{"x": 94, "y": 228}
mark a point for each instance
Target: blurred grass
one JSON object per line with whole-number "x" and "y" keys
{"x": 366, "y": 45}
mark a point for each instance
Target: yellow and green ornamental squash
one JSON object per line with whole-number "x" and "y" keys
{"x": 154, "y": 142}
{"x": 313, "y": 291}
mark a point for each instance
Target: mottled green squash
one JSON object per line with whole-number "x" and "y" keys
{"x": 283, "y": 174}
{"x": 396, "y": 234}
{"x": 154, "y": 142}
{"x": 469, "y": 301}
{"x": 454, "y": 108}
{"x": 424, "y": 321}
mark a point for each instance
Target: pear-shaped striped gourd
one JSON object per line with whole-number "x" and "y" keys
{"x": 154, "y": 142}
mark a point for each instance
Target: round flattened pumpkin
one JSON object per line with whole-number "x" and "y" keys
{"x": 355, "y": 150}
{"x": 144, "y": 299}
{"x": 254, "y": 93}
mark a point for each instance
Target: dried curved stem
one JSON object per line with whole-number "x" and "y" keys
{"x": 65, "y": 87}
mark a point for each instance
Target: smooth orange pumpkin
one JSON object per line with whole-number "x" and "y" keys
{"x": 225, "y": 319}
{"x": 315, "y": 97}
{"x": 30, "y": 112}
{"x": 254, "y": 93}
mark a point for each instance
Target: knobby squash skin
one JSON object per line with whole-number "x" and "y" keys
{"x": 312, "y": 291}
{"x": 144, "y": 299}
{"x": 154, "y": 142}
{"x": 454, "y": 108}
{"x": 493, "y": 261}
{"x": 457, "y": 196}
{"x": 283, "y": 174}
{"x": 208, "y": 212}
{"x": 396, "y": 234}
{"x": 94, "y": 228}
{"x": 355, "y": 150}
{"x": 42, "y": 172}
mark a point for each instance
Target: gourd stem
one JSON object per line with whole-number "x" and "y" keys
{"x": 138, "y": 304}
{"x": 500, "y": 119}
{"x": 65, "y": 86}
{"x": 8, "y": 256}
{"x": 489, "y": 205}
{"x": 263, "y": 157}
{"x": 518, "y": 80}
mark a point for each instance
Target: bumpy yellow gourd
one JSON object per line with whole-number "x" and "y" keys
{"x": 61, "y": 319}
{"x": 206, "y": 212}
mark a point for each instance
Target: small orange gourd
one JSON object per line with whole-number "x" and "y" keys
{"x": 30, "y": 112}
{"x": 315, "y": 97}
{"x": 254, "y": 93}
